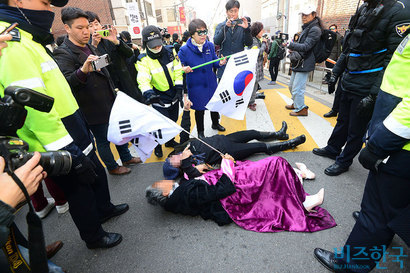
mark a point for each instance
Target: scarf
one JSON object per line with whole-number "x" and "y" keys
{"x": 37, "y": 22}
{"x": 199, "y": 46}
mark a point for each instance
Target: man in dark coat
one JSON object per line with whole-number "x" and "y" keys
{"x": 303, "y": 60}
{"x": 367, "y": 49}
{"x": 119, "y": 52}
{"x": 93, "y": 90}
{"x": 232, "y": 35}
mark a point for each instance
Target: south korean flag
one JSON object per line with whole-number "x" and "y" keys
{"x": 234, "y": 91}
{"x": 143, "y": 126}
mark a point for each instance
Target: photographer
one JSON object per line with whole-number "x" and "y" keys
{"x": 233, "y": 34}
{"x": 118, "y": 51}
{"x": 27, "y": 63}
{"x": 94, "y": 90}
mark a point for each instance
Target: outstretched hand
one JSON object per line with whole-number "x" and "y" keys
{"x": 228, "y": 157}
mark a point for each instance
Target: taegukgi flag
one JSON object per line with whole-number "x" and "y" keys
{"x": 234, "y": 91}
{"x": 143, "y": 126}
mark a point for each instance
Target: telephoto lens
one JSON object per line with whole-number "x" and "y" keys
{"x": 54, "y": 163}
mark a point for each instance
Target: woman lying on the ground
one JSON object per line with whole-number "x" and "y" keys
{"x": 262, "y": 196}
{"x": 235, "y": 144}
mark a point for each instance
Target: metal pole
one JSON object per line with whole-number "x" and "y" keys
{"x": 145, "y": 10}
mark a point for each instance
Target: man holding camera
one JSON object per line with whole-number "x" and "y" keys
{"x": 94, "y": 90}
{"x": 233, "y": 34}
{"x": 27, "y": 63}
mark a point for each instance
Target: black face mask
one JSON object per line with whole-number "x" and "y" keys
{"x": 36, "y": 22}
{"x": 42, "y": 19}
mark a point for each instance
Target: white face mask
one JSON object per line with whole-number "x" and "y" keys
{"x": 155, "y": 51}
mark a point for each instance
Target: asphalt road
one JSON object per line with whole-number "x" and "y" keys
{"x": 158, "y": 241}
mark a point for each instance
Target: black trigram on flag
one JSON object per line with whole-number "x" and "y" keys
{"x": 241, "y": 60}
{"x": 135, "y": 141}
{"x": 239, "y": 102}
{"x": 225, "y": 96}
{"x": 125, "y": 126}
{"x": 157, "y": 134}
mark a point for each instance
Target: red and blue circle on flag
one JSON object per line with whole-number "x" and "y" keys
{"x": 241, "y": 81}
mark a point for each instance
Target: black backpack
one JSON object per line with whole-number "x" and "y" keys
{"x": 324, "y": 46}
{"x": 281, "y": 53}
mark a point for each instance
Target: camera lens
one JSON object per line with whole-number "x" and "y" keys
{"x": 56, "y": 163}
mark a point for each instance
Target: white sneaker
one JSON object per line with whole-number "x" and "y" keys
{"x": 63, "y": 208}
{"x": 44, "y": 212}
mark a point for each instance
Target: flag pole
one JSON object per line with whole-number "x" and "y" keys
{"x": 179, "y": 127}
{"x": 210, "y": 62}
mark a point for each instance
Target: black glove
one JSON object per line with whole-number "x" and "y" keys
{"x": 331, "y": 84}
{"x": 179, "y": 95}
{"x": 85, "y": 170}
{"x": 151, "y": 97}
{"x": 369, "y": 159}
{"x": 366, "y": 106}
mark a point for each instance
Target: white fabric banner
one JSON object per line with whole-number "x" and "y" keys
{"x": 135, "y": 19}
{"x": 143, "y": 126}
{"x": 234, "y": 91}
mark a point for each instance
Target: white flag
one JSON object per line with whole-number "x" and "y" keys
{"x": 143, "y": 126}
{"x": 234, "y": 91}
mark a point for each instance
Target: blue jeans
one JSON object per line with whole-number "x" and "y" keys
{"x": 103, "y": 146}
{"x": 297, "y": 87}
{"x": 51, "y": 266}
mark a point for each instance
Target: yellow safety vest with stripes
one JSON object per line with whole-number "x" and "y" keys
{"x": 27, "y": 64}
{"x": 396, "y": 82}
{"x": 151, "y": 74}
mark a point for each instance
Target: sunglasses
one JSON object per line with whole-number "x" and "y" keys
{"x": 202, "y": 32}
{"x": 332, "y": 28}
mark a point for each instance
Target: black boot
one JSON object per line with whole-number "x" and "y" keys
{"x": 201, "y": 135}
{"x": 158, "y": 151}
{"x": 280, "y": 135}
{"x": 281, "y": 146}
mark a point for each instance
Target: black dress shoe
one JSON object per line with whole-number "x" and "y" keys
{"x": 201, "y": 135}
{"x": 327, "y": 259}
{"x": 158, "y": 151}
{"x": 356, "y": 215}
{"x": 218, "y": 127}
{"x": 331, "y": 113}
{"x": 118, "y": 210}
{"x": 107, "y": 241}
{"x": 324, "y": 152}
{"x": 335, "y": 169}
{"x": 172, "y": 143}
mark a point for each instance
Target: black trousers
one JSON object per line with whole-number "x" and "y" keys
{"x": 88, "y": 202}
{"x": 199, "y": 119}
{"x": 385, "y": 198}
{"x": 336, "y": 100}
{"x": 240, "y": 149}
{"x": 349, "y": 130}
{"x": 274, "y": 68}
{"x": 170, "y": 112}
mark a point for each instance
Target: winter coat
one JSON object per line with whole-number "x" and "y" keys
{"x": 337, "y": 48}
{"x": 231, "y": 40}
{"x": 369, "y": 46}
{"x": 259, "y": 65}
{"x": 118, "y": 69}
{"x": 96, "y": 95}
{"x": 308, "y": 38}
{"x": 274, "y": 48}
{"x": 201, "y": 83}
{"x": 197, "y": 197}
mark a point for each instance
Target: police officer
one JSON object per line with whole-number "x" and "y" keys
{"x": 160, "y": 73}
{"x": 385, "y": 208}
{"x": 372, "y": 37}
{"x": 27, "y": 63}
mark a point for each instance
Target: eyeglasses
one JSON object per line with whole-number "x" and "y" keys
{"x": 202, "y": 32}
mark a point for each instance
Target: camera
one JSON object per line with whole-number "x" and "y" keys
{"x": 236, "y": 22}
{"x": 104, "y": 32}
{"x": 284, "y": 36}
{"x": 12, "y": 117}
{"x": 102, "y": 61}
{"x": 14, "y": 151}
